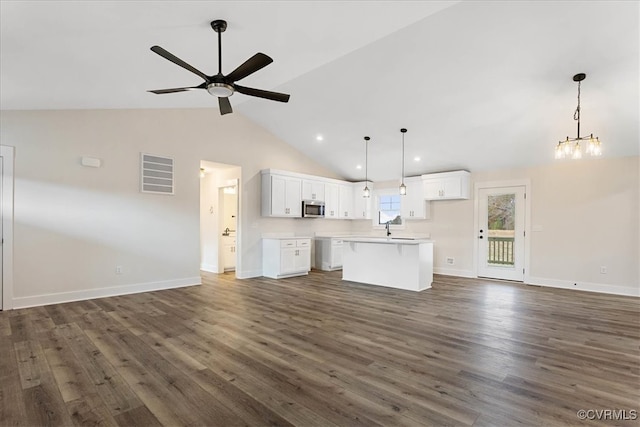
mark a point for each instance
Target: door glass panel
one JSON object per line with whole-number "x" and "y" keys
{"x": 501, "y": 211}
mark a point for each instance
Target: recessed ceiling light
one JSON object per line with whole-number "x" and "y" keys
{"x": 319, "y": 138}
{"x": 416, "y": 158}
{"x": 359, "y": 167}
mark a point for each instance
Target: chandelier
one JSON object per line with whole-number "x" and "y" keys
{"x": 571, "y": 147}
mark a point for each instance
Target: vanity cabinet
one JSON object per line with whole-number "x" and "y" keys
{"x": 286, "y": 257}
{"x": 447, "y": 185}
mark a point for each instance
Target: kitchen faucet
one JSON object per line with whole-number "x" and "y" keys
{"x": 387, "y": 228}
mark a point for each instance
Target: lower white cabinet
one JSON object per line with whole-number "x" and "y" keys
{"x": 286, "y": 257}
{"x": 229, "y": 254}
{"x": 328, "y": 254}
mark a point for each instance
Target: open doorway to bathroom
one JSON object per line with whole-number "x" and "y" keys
{"x": 219, "y": 217}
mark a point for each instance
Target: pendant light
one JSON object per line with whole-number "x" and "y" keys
{"x": 403, "y": 188}
{"x": 570, "y": 147}
{"x": 366, "y": 192}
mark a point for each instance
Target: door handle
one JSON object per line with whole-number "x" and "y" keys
{"x": 480, "y": 237}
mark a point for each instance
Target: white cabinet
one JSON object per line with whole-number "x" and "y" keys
{"x": 312, "y": 190}
{"x": 413, "y": 205}
{"x": 361, "y": 205}
{"x": 447, "y": 185}
{"x": 229, "y": 253}
{"x": 331, "y": 201}
{"x": 281, "y": 195}
{"x": 328, "y": 253}
{"x": 286, "y": 257}
{"x": 345, "y": 192}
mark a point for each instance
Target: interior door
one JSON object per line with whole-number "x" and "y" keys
{"x": 500, "y": 231}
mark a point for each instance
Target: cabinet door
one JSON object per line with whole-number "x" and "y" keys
{"x": 413, "y": 204}
{"x": 336, "y": 256}
{"x": 346, "y": 201}
{"x": 312, "y": 190}
{"x": 432, "y": 189}
{"x": 229, "y": 256}
{"x": 293, "y": 197}
{"x": 361, "y": 205}
{"x": 452, "y": 187}
{"x": 278, "y": 195}
{"x": 332, "y": 201}
{"x": 303, "y": 259}
{"x": 288, "y": 260}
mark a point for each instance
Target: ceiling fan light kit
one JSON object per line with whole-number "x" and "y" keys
{"x": 571, "y": 147}
{"x": 220, "y": 85}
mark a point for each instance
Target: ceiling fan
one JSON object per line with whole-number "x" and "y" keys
{"x": 220, "y": 85}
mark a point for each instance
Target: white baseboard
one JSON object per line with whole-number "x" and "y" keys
{"x": 454, "y": 272}
{"x": 62, "y": 297}
{"x": 209, "y": 268}
{"x": 248, "y": 274}
{"x": 586, "y": 286}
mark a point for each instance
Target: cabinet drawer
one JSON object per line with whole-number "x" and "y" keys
{"x": 303, "y": 243}
{"x": 287, "y": 243}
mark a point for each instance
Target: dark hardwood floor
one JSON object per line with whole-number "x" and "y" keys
{"x": 316, "y": 351}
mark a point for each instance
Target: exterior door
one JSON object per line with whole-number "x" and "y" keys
{"x": 501, "y": 233}
{"x": 1, "y": 233}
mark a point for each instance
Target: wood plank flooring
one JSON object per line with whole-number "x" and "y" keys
{"x": 317, "y": 351}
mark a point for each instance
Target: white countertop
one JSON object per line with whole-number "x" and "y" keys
{"x": 387, "y": 240}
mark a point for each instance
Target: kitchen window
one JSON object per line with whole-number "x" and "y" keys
{"x": 387, "y": 208}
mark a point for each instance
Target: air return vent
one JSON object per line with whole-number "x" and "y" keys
{"x": 156, "y": 174}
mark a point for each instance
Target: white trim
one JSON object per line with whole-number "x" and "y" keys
{"x": 63, "y": 297}
{"x": 209, "y": 268}
{"x": 526, "y": 183}
{"x": 585, "y": 286}
{"x": 248, "y": 274}
{"x": 8, "y": 155}
{"x": 454, "y": 272}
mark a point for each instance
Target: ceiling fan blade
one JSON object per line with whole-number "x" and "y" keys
{"x": 250, "y": 66}
{"x": 274, "y": 96}
{"x": 171, "y": 57}
{"x": 225, "y": 105}
{"x": 177, "y": 89}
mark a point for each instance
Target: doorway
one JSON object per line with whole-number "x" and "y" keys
{"x": 220, "y": 212}
{"x": 500, "y": 228}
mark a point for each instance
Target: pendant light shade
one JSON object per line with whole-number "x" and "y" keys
{"x": 403, "y": 188}
{"x": 571, "y": 147}
{"x": 366, "y": 192}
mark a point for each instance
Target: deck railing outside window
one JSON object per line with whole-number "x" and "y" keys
{"x": 501, "y": 250}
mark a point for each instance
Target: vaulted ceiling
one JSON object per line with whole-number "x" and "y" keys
{"x": 478, "y": 84}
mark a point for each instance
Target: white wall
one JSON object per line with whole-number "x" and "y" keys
{"x": 588, "y": 214}
{"x": 74, "y": 224}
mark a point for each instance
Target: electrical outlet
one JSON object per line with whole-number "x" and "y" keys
{"x": 603, "y": 270}
{"x": 118, "y": 269}
{"x": 451, "y": 260}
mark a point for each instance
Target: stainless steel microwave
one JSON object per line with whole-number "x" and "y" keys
{"x": 312, "y": 209}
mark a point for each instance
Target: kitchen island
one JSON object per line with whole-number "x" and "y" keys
{"x": 403, "y": 263}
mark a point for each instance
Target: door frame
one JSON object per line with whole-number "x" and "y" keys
{"x": 526, "y": 183}
{"x": 8, "y": 155}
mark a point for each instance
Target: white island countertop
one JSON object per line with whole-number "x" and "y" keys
{"x": 395, "y": 262}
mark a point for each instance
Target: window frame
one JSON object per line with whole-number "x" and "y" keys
{"x": 375, "y": 208}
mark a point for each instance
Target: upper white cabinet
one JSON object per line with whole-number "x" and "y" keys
{"x": 345, "y": 192}
{"x": 332, "y": 201}
{"x": 413, "y": 205}
{"x": 281, "y": 195}
{"x": 361, "y": 205}
{"x": 447, "y": 185}
{"x": 312, "y": 190}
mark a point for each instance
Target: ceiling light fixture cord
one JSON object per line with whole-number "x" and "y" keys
{"x": 366, "y": 192}
{"x": 403, "y": 188}
{"x": 576, "y": 114}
